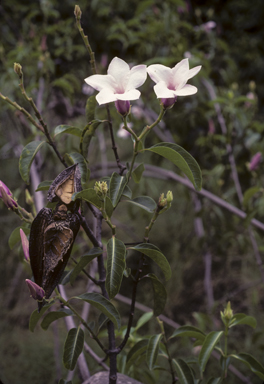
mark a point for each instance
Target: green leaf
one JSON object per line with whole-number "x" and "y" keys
{"x": 215, "y": 380}
{"x": 108, "y": 207}
{"x": 77, "y": 158}
{"x": 27, "y": 156}
{"x": 136, "y": 351}
{"x": 188, "y": 331}
{"x": 104, "y": 305}
{"x": 138, "y": 172}
{"x": 144, "y": 319}
{"x": 65, "y": 278}
{"x": 35, "y": 315}
{"x": 116, "y": 187}
{"x": 152, "y": 350}
{"x": 52, "y": 316}
{"x": 178, "y": 156}
{"x": 183, "y": 371}
{"x": 73, "y": 347}
{"x": 67, "y": 129}
{"x": 160, "y": 294}
{"x": 88, "y": 195}
{"x": 127, "y": 192}
{"x": 250, "y": 193}
{"x": 15, "y": 238}
{"x": 85, "y": 259}
{"x": 155, "y": 254}
{"x": 253, "y": 364}
{"x": 90, "y": 108}
{"x": 208, "y": 345}
{"x": 44, "y": 185}
{"x": 116, "y": 252}
{"x": 87, "y": 135}
{"x": 241, "y": 318}
{"x": 144, "y": 202}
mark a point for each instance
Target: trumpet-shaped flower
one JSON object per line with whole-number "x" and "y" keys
{"x": 172, "y": 82}
{"x": 119, "y": 84}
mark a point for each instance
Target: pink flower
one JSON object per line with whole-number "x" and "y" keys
{"x": 254, "y": 163}
{"x": 172, "y": 82}
{"x": 7, "y": 190}
{"x": 37, "y": 293}
{"x": 25, "y": 244}
{"x": 5, "y": 195}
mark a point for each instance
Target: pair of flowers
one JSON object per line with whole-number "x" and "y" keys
{"x": 121, "y": 83}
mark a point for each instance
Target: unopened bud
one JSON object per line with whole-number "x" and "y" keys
{"x": 123, "y": 107}
{"x": 169, "y": 197}
{"x": 169, "y": 102}
{"x": 25, "y": 244}
{"x": 77, "y": 12}
{"x": 101, "y": 188}
{"x": 7, "y": 199}
{"x": 29, "y": 199}
{"x": 255, "y": 161}
{"x": 37, "y": 293}
{"x": 228, "y": 313}
{"x": 5, "y": 188}
{"x": 18, "y": 69}
{"x": 162, "y": 201}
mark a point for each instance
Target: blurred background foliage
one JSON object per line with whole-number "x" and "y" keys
{"x": 226, "y": 38}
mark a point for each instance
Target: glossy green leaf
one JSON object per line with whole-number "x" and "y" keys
{"x": 35, "y": 315}
{"x": 160, "y": 294}
{"x": 127, "y": 192}
{"x": 184, "y": 161}
{"x": 108, "y": 207}
{"x": 208, "y": 345}
{"x": 27, "y": 156}
{"x": 67, "y": 129}
{"x": 136, "y": 351}
{"x": 116, "y": 187}
{"x": 155, "y": 254}
{"x": 188, "y": 331}
{"x": 73, "y": 347}
{"x": 85, "y": 259}
{"x": 183, "y": 371}
{"x": 144, "y": 202}
{"x": 143, "y": 319}
{"x": 90, "y": 108}
{"x": 77, "y": 158}
{"x": 116, "y": 252}
{"x": 52, "y": 316}
{"x": 241, "y": 318}
{"x": 15, "y": 238}
{"x": 44, "y": 185}
{"x": 138, "y": 172}
{"x": 153, "y": 350}
{"x": 88, "y": 195}
{"x": 104, "y": 305}
{"x": 250, "y": 361}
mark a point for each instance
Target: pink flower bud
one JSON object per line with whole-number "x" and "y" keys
{"x": 123, "y": 107}
{"x": 25, "y": 244}
{"x": 8, "y": 192}
{"x": 7, "y": 199}
{"x": 256, "y": 159}
{"x": 169, "y": 102}
{"x": 37, "y": 293}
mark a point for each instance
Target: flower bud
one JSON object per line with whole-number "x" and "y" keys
{"x": 169, "y": 102}
{"x": 8, "y": 192}
{"x": 25, "y": 244}
{"x": 123, "y": 107}
{"x": 228, "y": 313}
{"x": 37, "y": 293}
{"x": 254, "y": 163}
{"x": 7, "y": 199}
{"x": 77, "y": 12}
{"x": 162, "y": 201}
{"x": 169, "y": 197}
{"x": 18, "y": 69}
{"x": 101, "y": 188}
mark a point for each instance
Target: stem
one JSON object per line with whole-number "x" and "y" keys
{"x": 165, "y": 341}
{"x": 121, "y": 167}
{"x": 67, "y": 304}
{"x": 225, "y": 351}
{"x": 148, "y": 128}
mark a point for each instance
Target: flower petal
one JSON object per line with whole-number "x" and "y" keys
{"x": 159, "y": 72}
{"x": 192, "y": 72}
{"x": 118, "y": 68}
{"x": 186, "y": 90}
{"x": 105, "y": 96}
{"x": 133, "y": 94}
{"x": 100, "y": 82}
{"x": 162, "y": 91}
{"x": 138, "y": 75}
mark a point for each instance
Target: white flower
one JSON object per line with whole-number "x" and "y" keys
{"x": 171, "y": 82}
{"x": 120, "y": 83}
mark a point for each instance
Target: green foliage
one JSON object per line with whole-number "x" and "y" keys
{"x": 73, "y": 347}
{"x": 116, "y": 253}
